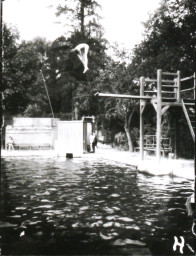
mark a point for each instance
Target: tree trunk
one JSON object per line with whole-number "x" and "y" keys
{"x": 82, "y": 17}
{"x": 127, "y": 129}
{"x": 130, "y": 143}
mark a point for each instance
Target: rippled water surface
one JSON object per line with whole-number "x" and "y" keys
{"x": 61, "y": 206}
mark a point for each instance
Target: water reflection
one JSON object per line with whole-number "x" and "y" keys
{"x": 58, "y": 206}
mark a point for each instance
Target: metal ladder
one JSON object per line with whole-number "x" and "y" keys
{"x": 189, "y": 111}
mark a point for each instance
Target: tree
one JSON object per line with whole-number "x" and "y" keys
{"x": 81, "y": 16}
{"x": 169, "y": 43}
{"x": 10, "y": 89}
{"x": 64, "y": 74}
{"x": 74, "y": 86}
{"x": 169, "y": 40}
{"x": 22, "y": 84}
{"x": 87, "y": 83}
{"x": 29, "y": 77}
{"x": 117, "y": 79}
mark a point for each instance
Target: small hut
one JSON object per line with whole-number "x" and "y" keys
{"x": 73, "y": 136}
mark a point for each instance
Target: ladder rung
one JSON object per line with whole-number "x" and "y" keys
{"x": 167, "y": 92}
{"x": 190, "y": 104}
{"x": 168, "y": 81}
{"x": 166, "y": 98}
{"x": 154, "y": 81}
{"x": 151, "y": 80}
{"x": 169, "y": 86}
{"x": 161, "y": 91}
{"x": 169, "y": 74}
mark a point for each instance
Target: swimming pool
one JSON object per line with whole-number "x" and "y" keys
{"x": 58, "y": 206}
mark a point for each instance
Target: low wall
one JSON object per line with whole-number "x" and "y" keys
{"x": 32, "y": 131}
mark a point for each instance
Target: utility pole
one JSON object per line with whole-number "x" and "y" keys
{"x": 1, "y": 39}
{"x": 1, "y": 60}
{"x": 142, "y": 81}
{"x": 159, "y": 108}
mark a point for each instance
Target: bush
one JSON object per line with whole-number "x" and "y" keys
{"x": 108, "y": 136}
{"x": 33, "y": 110}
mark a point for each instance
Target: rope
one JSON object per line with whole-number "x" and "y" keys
{"x": 47, "y": 93}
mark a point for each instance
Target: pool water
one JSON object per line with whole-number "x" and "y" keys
{"x": 58, "y": 206}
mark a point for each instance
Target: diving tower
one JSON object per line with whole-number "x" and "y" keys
{"x": 165, "y": 92}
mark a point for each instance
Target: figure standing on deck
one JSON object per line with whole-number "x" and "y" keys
{"x": 82, "y": 52}
{"x": 92, "y": 138}
{"x": 10, "y": 143}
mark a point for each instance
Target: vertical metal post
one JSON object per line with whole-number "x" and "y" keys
{"x": 159, "y": 107}
{"x": 142, "y": 81}
{"x": 175, "y": 89}
{"x": 175, "y": 138}
{"x": 179, "y": 86}
{"x": 1, "y": 33}
{"x": 194, "y": 84}
{"x": 47, "y": 93}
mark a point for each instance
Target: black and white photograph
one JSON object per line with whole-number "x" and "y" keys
{"x": 97, "y": 127}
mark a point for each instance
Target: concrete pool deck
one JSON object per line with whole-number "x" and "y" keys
{"x": 174, "y": 167}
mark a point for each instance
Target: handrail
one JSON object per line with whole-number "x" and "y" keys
{"x": 187, "y": 78}
{"x": 188, "y": 120}
{"x": 192, "y": 88}
{"x": 189, "y": 89}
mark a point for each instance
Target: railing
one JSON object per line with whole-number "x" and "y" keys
{"x": 150, "y": 144}
{"x": 188, "y": 120}
{"x": 189, "y": 90}
{"x": 170, "y": 89}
